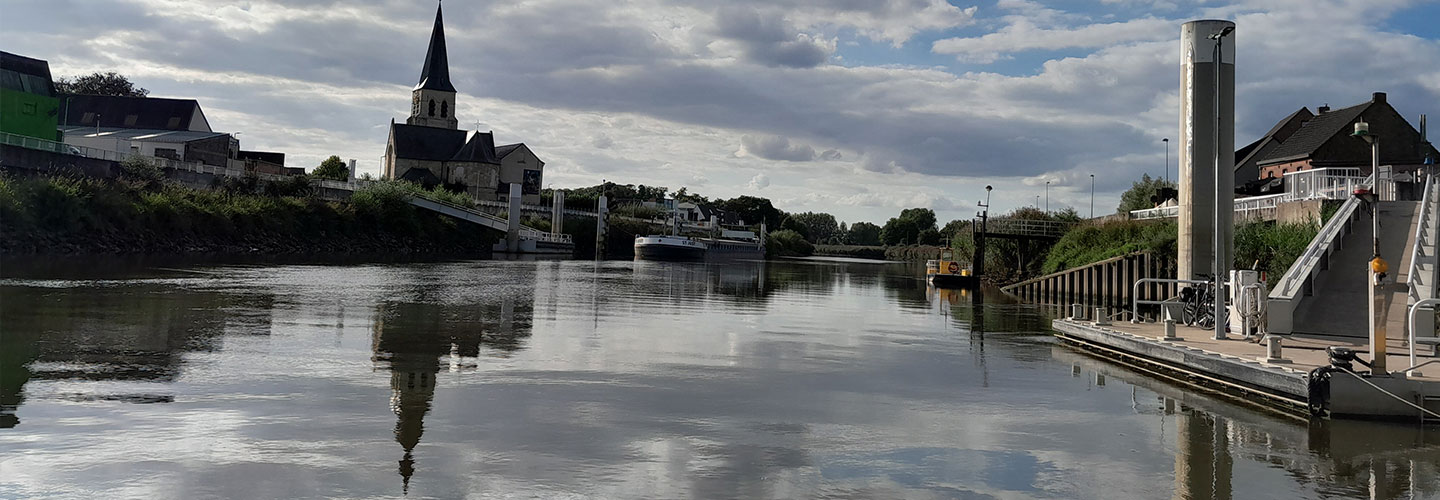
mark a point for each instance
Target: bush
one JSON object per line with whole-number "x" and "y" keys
{"x": 787, "y": 243}
{"x": 853, "y": 251}
{"x": 1089, "y": 244}
{"x": 1270, "y": 247}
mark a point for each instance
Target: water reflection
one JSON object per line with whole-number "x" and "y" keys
{"x": 114, "y": 331}
{"x": 622, "y": 380}
{"x": 415, "y": 341}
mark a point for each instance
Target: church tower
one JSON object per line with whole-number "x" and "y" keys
{"x": 433, "y": 101}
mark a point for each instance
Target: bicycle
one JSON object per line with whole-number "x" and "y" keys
{"x": 1199, "y": 300}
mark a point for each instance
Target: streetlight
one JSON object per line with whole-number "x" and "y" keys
{"x": 1092, "y": 196}
{"x": 977, "y": 261}
{"x": 1221, "y": 266}
{"x": 1037, "y": 201}
{"x": 1047, "y": 197}
{"x": 1167, "y": 158}
{"x": 1378, "y": 267}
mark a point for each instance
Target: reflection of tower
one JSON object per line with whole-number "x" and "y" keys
{"x": 412, "y": 386}
{"x": 1203, "y": 466}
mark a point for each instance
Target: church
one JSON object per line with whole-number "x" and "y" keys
{"x": 430, "y": 149}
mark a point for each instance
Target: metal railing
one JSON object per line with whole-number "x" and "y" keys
{"x": 1304, "y": 268}
{"x": 1423, "y": 286}
{"x": 1156, "y": 213}
{"x": 1410, "y": 321}
{"x": 1324, "y": 183}
{"x": 1257, "y": 206}
{"x": 525, "y": 231}
{"x": 1135, "y": 295}
{"x": 1026, "y": 227}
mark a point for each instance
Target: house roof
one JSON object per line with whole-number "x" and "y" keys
{"x": 436, "y": 73}
{"x": 418, "y": 142}
{"x": 1314, "y": 133}
{"x": 22, "y": 73}
{"x": 1272, "y": 139}
{"x": 503, "y": 151}
{"x": 139, "y": 134}
{"x": 156, "y": 113}
{"x": 265, "y": 156}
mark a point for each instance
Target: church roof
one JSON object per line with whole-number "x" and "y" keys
{"x": 436, "y": 74}
{"x": 417, "y": 142}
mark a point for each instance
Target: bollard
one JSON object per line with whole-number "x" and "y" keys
{"x": 1077, "y": 312}
{"x": 1170, "y": 330}
{"x": 1272, "y": 350}
{"x": 1101, "y": 318}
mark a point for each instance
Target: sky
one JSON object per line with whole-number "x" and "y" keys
{"x": 858, "y": 108}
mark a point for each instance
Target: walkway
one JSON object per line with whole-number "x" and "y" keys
{"x": 1338, "y": 306}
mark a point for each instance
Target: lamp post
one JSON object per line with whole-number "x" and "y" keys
{"x": 1092, "y": 196}
{"x": 1047, "y": 197}
{"x": 1221, "y": 266}
{"x": 977, "y": 261}
{"x": 1167, "y": 158}
{"x": 1378, "y": 267}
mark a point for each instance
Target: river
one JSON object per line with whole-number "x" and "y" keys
{"x": 616, "y": 379}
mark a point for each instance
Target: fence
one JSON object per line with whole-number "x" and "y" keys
{"x": 1320, "y": 183}
{"x": 1107, "y": 283}
{"x": 1026, "y": 227}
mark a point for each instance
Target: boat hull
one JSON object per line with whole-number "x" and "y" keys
{"x": 953, "y": 281}
{"x": 668, "y": 249}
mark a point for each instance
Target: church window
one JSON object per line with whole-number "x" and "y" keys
{"x": 432, "y": 107}
{"x": 444, "y": 109}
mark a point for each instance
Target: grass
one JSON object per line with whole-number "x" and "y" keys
{"x": 1084, "y": 245}
{"x": 137, "y": 214}
{"x": 1271, "y": 247}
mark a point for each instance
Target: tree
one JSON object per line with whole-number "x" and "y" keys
{"x": 907, "y": 227}
{"x": 1142, "y": 194}
{"x": 332, "y": 168}
{"x": 789, "y": 223}
{"x": 108, "y": 83}
{"x": 929, "y": 237}
{"x": 863, "y": 233}
{"x": 684, "y": 196}
{"x": 753, "y": 210}
{"x": 953, "y": 228}
{"x": 820, "y": 226}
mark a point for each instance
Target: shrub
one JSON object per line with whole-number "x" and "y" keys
{"x": 1089, "y": 244}
{"x": 1271, "y": 247}
{"x": 787, "y": 243}
{"x": 854, "y": 251}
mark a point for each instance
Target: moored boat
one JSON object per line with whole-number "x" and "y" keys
{"x": 946, "y": 272}
{"x": 675, "y": 248}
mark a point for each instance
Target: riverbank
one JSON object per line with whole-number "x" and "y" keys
{"x": 65, "y": 215}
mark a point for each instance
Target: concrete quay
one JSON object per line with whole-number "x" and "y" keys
{"x": 1237, "y": 368}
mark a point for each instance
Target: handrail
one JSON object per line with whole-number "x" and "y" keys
{"x": 1417, "y": 252}
{"x": 1135, "y": 296}
{"x": 1063, "y": 272}
{"x": 530, "y": 232}
{"x": 1411, "y": 322}
{"x": 1301, "y": 271}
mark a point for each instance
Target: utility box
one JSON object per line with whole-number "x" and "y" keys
{"x": 1240, "y": 304}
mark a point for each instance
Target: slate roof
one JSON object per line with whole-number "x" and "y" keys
{"x": 1314, "y": 134}
{"x": 417, "y": 142}
{"x": 155, "y": 113}
{"x": 436, "y": 73}
{"x": 140, "y": 134}
{"x": 503, "y": 151}
{"x": 1267, "y": 143}
{"x": 29, "y": 75}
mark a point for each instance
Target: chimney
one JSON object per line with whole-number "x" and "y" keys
{"x": 1378, "y": 98}
{"x": 1323, "y": 109}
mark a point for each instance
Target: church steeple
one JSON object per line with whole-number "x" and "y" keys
{"x": 433, "y": 100}
{"x": 436, "y": 75}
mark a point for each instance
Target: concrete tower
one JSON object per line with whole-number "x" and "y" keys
{"x": 1200, "y": 169}
{"x": 432, "y": 103}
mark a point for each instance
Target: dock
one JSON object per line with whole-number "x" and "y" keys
{"x": 1238, "y": 368}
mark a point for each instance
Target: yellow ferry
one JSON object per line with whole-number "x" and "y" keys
{"x": 948, "y": 273}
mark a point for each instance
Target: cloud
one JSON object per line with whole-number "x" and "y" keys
{"x": 1023, "y": 35}
{"x": 770, "y": 40}
{"x": 772, "y": 147}
{"x": 760, "y": 181}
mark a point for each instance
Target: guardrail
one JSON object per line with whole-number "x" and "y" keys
{"x": 1135, "y": 297}
{"x": 1026, "y": 227}
{"x": 1258, "y": 206}
{"x": 1423, "y": 286}
{"x": 525, "y": 231}
{"x": 1284, "y": 298}
{"x": 1410, "y": 321}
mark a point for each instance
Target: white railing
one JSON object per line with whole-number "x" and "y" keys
{"x": 502, "y": 223}
{"x": 1286, "y": 295}
{"x": 1026, "y": 227}
{"x": 1422, "y": 255}
{"x": 1156, "y": 213}
{"x": 1410, "y": 323}
{"x": 1135, "y": 294}
{"x": 532, "y": 208}
{"x": 1323, "y": 183}
{"x": 1262, "y": 207}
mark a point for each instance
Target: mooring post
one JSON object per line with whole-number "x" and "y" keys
{"x": 601, "y": 211}
{"x": 557, "y": 213}
{"x": 1170, "y": 329}
{"x": 1272, "y": 350}
{"x": 1077, "y": 312}
{"x": 512, "y": 227}
{"x": 1101, "y": 318}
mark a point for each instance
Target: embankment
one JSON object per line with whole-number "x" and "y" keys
{"x": 72, "y": 215}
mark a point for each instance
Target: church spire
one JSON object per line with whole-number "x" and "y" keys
{"x": 436, "y": 75}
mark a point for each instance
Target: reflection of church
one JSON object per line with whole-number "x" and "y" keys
{"x": 431, "y": 149}
{"x": 412, "y": 339}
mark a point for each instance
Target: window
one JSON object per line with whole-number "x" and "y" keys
{"x": 432, "y": 107}
{"x": 444, "y": 109}
{"x": 173, "y": 123}
{"x": 167, "y": 153}
{"x": 29, "y": 108}
{"x": 88, "y": 118}
{"x": 130, "y": 120}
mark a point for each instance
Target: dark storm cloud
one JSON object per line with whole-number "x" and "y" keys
{"x": 769, "y": 40}
{"x": 774, "y": 147}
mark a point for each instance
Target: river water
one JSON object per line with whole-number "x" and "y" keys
{"x": 575, "y": 379}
